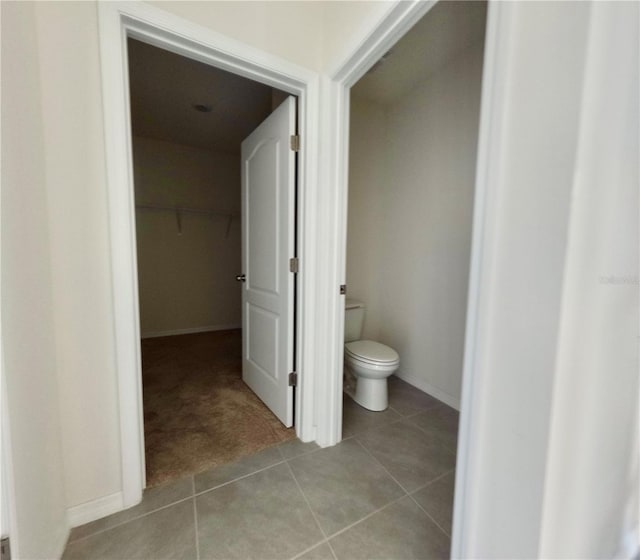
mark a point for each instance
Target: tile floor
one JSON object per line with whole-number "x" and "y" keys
{"x": 386, "y": 491}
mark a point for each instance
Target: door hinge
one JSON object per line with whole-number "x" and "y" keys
{"x": 5, "y": 549}
{"x": 295, "y": 142}
{"x": 293, "y": 265}
{"x": 293, "y": 379}
{"x": 343, "y": 289}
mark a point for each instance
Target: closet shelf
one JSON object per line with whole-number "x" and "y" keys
{"x": 179, "y": 210}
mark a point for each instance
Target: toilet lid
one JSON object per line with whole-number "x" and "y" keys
{"x": 370, "y": 351}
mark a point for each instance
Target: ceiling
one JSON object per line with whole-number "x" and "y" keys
{"x": 449, "y": 28}
{"x": 165, "y": 86}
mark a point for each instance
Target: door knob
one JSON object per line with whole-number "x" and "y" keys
{"x": 241, "y": 278}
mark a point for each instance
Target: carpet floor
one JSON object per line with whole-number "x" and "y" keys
{"x": 198, "y": 413}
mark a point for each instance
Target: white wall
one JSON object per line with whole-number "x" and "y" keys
{"x": 187, "y": 281}
{"x": 368, "y": 160}
{"x": 551, "y": 407}
{"x": 290, "y": 30}
{"x": 410, "y": 214}
{"x": 312, "y": 34}
{"x": 593, "y": 486}
{"x": 28, "y": 327}
{"x": 81, "y": 278}
{"x": 345, "y": 24}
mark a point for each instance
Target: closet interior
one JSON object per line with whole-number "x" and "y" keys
{"x": 188, "y": 120}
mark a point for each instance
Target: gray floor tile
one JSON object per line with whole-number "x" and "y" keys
{"x": 152, "y": 499}
{"x": 399, "y": 532}
{"x": 412, "y": 457}
{"x": 406, "y": 400}
{"x": 437, "y": 500}
{"x": 320, "y": 552}
{"x": 248, "y": 465}
{"x": 343, "y": 484}
{"x": 260, "y": 516}
{"x": 165, "y": 534}
{"x": 357, "y": 419}
{"x": 440, "y": 422}
{"x": 295, "y": 448}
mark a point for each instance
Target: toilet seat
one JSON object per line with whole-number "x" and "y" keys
{"x": 371, "y": 352}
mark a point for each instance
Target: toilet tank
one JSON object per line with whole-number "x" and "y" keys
{"x": 353, "y": 320}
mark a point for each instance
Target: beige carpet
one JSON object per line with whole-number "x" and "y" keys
{"x": 198, "y": 413}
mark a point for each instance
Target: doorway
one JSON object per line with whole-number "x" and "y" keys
{"x": 413, "y": 134}
{"x": 214, "y": 373}
{"x": 151, "y": 25}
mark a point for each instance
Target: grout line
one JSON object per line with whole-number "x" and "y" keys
{"x": 413, "y": 415}
{"x": 145, "y": 514}
{"x": 303, "y": 454}
{"x": 429, "y": 516}
{"x": 375, "y": 426}
{"x": 304, "y": 496}
{"x": 195, "y": 521}
{"x": 383, "y": 467}
{"x": 410, "y": 494}
{"x": 283, "y": 460}
{"x": 333, "y": 552}
{"x": 438, "y": 405}
{"x": 394, "y": 410}
{"x": 195, "y": 516}
{"x": 239, "y": 478}
{"x": 300, "y": 554}
{"x": 193, "y": 495}
{"x": 280, "y": 451}
{"x": 344, "y": 529}
{"x": 454, "y": 451}
{"x": 313, "y": 513}
{"x": 432, "y": 481}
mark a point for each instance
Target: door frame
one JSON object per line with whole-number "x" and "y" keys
{"x": 117, "y": 21}
{"x": 395, "y": 23}
{"x": 8, "y": 514}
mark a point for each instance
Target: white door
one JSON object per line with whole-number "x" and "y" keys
{"x": 268, "y": 236}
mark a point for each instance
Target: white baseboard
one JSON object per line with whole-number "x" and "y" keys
{"x": 439, "y": 394}
{"x": 59, "y": 546}
{"x": 95, "y": 509}
{"x": 158, "y": 334}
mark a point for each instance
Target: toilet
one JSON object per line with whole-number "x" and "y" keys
{"x": 371, "y": 363}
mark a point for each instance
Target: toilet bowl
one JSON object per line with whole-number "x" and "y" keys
{"x": 370, "y": 362}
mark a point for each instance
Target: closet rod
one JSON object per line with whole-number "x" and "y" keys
{"x": 184, "y": 209}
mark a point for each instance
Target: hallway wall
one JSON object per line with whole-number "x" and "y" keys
{"x": 412, "y": 176}
{"x": 28, "y": 326}
{"x": 67, "y": 40}
{"x": 552, "y": 415}
{"x": 325, "y": 29}
{"x": 186, "y": 281}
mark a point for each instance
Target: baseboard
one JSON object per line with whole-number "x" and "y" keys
{"x": 59, "y": 545}
{"x": 95, "y": 509}
{"x": 439, "y": 394}
{"x": 158, "y": 334}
